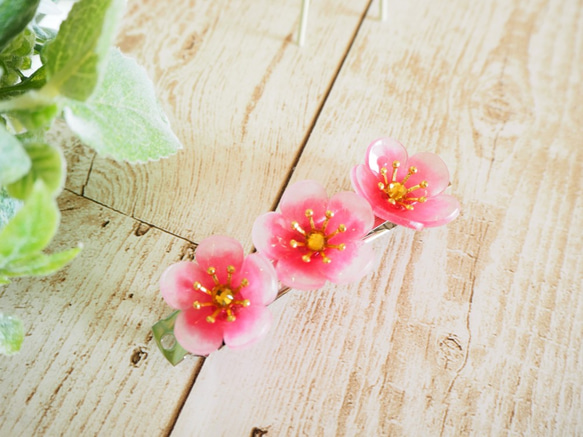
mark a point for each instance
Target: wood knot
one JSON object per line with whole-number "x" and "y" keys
{"x": 258, "y": 432}
{"x": 500, "y": 107}
{"x": 451, "y": 350}
{"x": 187, "y": 253}
{"x": 138, "y": 355}
{"x": 141, "y": 229}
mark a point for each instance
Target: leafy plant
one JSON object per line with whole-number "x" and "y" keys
{"x": 105, "y": 98}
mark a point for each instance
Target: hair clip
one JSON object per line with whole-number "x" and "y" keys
{"x": 222, "y": 297}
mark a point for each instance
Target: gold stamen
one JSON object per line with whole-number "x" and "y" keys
{"x": 396, "y": 165}
{"x": 213, "y": 272}
{"x": 295, "y": 243}
{"x": 329, "y": 215}
{"x": 296, "y": 226}
{"x": 422, "y": 184}
{"x": 243, "y": 303}
{"x": 230, "y": 271}
{"x": 310, "y": 215}
{"x": 213, "y": 317}
{"x": 341, "y": 228}
{"x": 384, "y": 174}
{"x": 412, "y": 171}
{"x": 198, "y": 305}
{"x": 198, "y": 286}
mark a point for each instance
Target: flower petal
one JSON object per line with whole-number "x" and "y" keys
{"x": 301, "y": 196}
{"x": 219, "y": 252}
{"x": 269, "y": 235}
{"x": 366, "y": 184}
{"x": 430, "y": 168}
{"x": 176, "y": 284}
{"x": 195, "y": 334}
{"x": 436, "y": 211}
{"x": 383, "y": 152}
{"x": 361, "y": 264}
{"x": 263, "y": 285}
{"x": 304, "y": 276}
{"x": 251, "y": 324}
{"x": 352, "y": 211}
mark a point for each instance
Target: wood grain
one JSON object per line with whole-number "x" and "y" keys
{"x": 88, "y": 364}
{"x": 240, "y": 94}
{"x": 475, "y": 328}
{"x": 470, "y": 329}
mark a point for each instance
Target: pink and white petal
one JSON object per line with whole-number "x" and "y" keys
{"x": 360, "y": 265}
{"x": 383, "y": 152}
{"x": 437, "y": 211}
{"x": 219, "y": 252}
{"x": 365, "y": 183}
{"x": 352, "y": 211}
{"x": 270, "y": 235}
{"x": 430, "y": 168}
{"x": 176, "y": 284}
{"x": 251, "y": 324}
{"x": 339, "y": 259}
{"x": 300, "y": 277}
{"x": 301, "y": 196}
{"x": 263, "y": 285}
{"x": 195, "y": 334}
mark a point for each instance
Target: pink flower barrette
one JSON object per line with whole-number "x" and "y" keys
{"x": 222, "y": 297}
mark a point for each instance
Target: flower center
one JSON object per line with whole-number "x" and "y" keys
{"x": 316, "y": 239}
{"x": 397, "y": 193}
{"x": 222, "y": 296}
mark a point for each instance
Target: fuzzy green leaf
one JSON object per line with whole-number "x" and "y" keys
{"x": 48, "y": 165}
{"x": 14, "y": 16}
{"x": 74, "y": 59}
{"x": 38, "y": 117}
{"x": 39, "y": 264}
{"x": 8, "y": 207}
{"x": 32, "y": 228}
{"x": 123, "y": 118}
{"x": 11, "y": 334}
{"x": 14, "y": 162}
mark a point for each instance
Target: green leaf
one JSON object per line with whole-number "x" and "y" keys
{"x": 35, "y": 81}
{"x": 32, "y": 228}
{"x": 11, "y": 334}
{"x": 14, "y": 16}
{"x": 74, "y": 59}
{"x": 8, "y": 207}
{"x": 48, "y": 165}
{"x": 38, "y": 117}
{"x": 39, "y": 264}
{"x": 123, "y": 118}
{"x": 14, "y": 162}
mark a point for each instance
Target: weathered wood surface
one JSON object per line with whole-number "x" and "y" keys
{"x": 241, "y": 95}
{"x": 474, "y": 328}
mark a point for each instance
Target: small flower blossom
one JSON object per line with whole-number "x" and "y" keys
{"x": 313, "y": 238}
{"x": 405, "y": 191}
{"x": 222, "y": 296}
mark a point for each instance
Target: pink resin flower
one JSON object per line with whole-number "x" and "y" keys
{"x": 222, "y": 295}
{"x": 313, "y": 238}
{"x": 405, "y": 191}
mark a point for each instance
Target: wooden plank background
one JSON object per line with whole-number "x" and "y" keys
{"x": 475, "y": 328}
